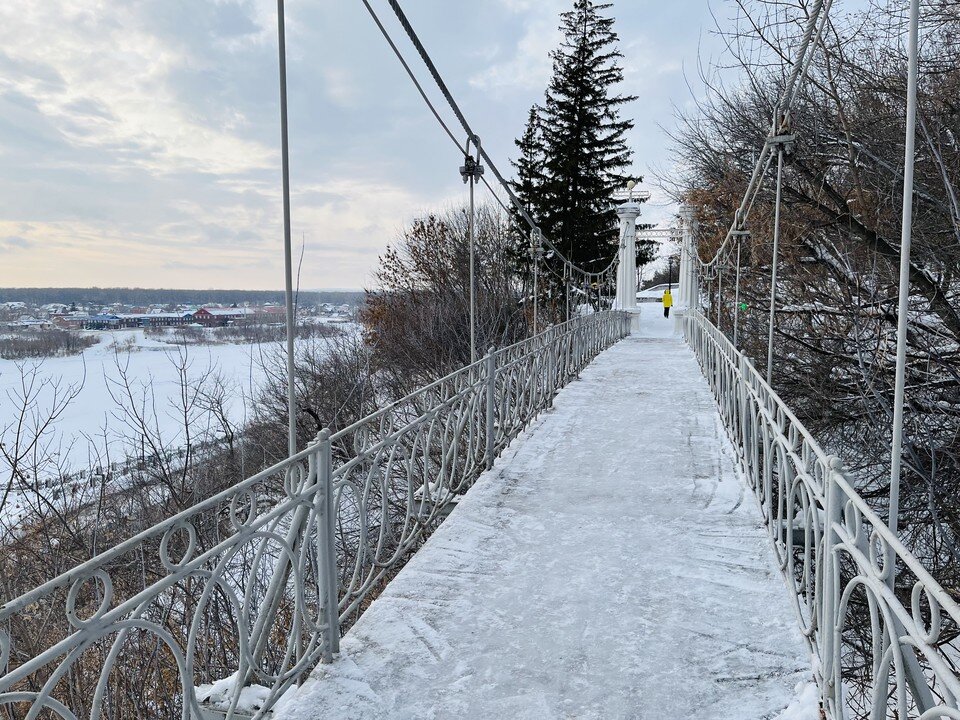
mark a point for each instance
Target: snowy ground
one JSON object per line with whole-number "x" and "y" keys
{"x": 612, "y": 565}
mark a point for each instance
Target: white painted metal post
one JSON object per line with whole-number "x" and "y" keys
{"x": 829, "y": 638}
{"x": 773, "y": 268}
{"x": 535, "y": 256}
{"x": 491, "y": 365}
{"x": 328, "y": 549}
{"x": 679, "y": 308}
{"x": 681, "y": 270}
{"x": 736, "y": 296}
{"x": 287, "y": 254}
{"x": 903, "y": 304}
{"x": 719, "y": 294}
{"x": 694, "y": 272}
{"x": 552, "y": 354}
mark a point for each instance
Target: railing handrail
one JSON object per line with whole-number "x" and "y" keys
{"x": 100, "y": 559}
{"x": 867, "y": 512}
{"x": 475, "y": 365}
{"x": 760, "y": 380}
{"x": 103, "y": 558}
{"x": 841, "y": 534}
{"x": 260, "y": 560}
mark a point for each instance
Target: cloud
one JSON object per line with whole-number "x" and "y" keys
{"x": 646, "y": 62}
{"x": 122, "y": 97}
{"x": 341, "y": 86}
{"x": 529, "y": 65}
{"x": 139, "y": 142}
{"x": 16, "y": 242}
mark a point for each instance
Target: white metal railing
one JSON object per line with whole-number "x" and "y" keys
{"x": 875, "y": 657}
{"x": 219, "y": 610}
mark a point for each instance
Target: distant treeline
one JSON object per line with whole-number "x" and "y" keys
{"x": 23, "y": 344}
{"x": 147, "y": 296}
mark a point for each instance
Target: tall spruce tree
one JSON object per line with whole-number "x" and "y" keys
{"x": 528, "y": 185}
{"x": 573, "y": 151}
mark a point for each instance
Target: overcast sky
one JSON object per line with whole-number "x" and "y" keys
{"x": 139, "y": 139}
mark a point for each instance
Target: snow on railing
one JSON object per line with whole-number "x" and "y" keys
{"x": 221, "y": 609}
{"x": 874, "y": 657}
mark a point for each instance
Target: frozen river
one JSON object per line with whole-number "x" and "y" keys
{"x": 154, "y": 371}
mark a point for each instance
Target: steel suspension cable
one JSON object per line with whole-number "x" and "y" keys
{"x": 471, "y": 136}
{"x": 451, "y": 101}
{"x": 410, "y": 74}
{"x": 816, "y": 22}
{"x": 822, "y": 9}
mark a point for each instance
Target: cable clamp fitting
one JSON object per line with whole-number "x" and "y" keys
{"x": 782, "y": 142}
{"x": 471, "y": 168}
{"x": 536, "y": 243}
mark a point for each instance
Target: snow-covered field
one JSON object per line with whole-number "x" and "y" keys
{"x": 153, "y": 368}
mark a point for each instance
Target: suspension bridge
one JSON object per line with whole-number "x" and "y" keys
{"x": 615, "y": 517}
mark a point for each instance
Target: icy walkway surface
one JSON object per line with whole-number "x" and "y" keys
{"x": 611, "y": 565}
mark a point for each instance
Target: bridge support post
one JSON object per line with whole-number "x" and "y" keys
{"x": 327, "y": 550}
{"x": 829, "y": 640}
{"x": 551, "y": 379}
{"x": 491, "y": 364}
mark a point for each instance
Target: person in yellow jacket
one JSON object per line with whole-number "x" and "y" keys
{"x": 667, "y": 302}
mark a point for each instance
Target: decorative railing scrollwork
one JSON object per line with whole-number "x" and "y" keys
{"x": 876, "y": 656}
{"x": 223, "y": 608}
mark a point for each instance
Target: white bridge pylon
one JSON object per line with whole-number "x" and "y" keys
{"x": 626, "y": 298}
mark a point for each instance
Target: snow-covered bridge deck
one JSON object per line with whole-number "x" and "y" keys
{"x": 611, "y": 565}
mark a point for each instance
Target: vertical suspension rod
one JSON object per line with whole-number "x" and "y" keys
{"x": 773, "y": 265}
{"x": 904, "y": 296}
{"x": 287, "y": 254}
{"x": 473, "y": 281}
{"x": 535, "y": 252}
{"x": 471, "y": 171}
{"x": 736, "y": 296}
{"x": 719, "y": 294}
